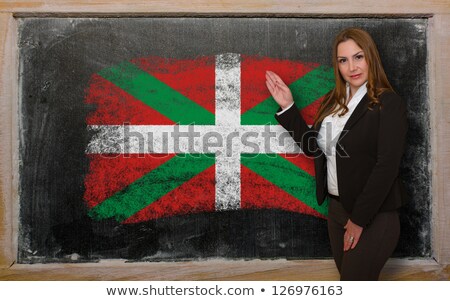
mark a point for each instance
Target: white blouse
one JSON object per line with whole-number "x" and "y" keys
{"x": 329, "y": 133}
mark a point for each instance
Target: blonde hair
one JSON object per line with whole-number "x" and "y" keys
{"x": 377, "y": 81}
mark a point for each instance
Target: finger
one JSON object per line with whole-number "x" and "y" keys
{"x": 270, "y": 86}
{"x": 349, "y": 245}
{"x": 276, "y": 79}
{"x": 349, "y": 240}
{"x": 355, "y": 242}
{"x": 270, "y": 76}
{"x": 346, "y": 242}
{"x": 346, "y": 245}
{"x": 271, "y": 81}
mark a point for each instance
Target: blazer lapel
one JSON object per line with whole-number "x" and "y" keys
{"x": 359, "y": 111}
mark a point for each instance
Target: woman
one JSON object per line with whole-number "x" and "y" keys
{"x": 357, "y": 141}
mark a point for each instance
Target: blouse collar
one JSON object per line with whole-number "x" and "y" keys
{"x": 359, "y": 93}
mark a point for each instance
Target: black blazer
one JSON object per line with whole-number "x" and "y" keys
{"x": 368, "y": 155}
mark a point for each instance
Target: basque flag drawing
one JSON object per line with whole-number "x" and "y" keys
{"x": 176, "y": 137}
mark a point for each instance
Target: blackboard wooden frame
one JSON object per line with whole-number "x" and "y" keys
{"x": 439, "y": 41}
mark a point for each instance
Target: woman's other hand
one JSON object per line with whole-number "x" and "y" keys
{"x": 352, "y": 235}
{"x": 279, "y": 90}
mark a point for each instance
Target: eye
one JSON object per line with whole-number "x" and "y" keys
{"x": 342, "y": 60}
{"x": 359, "y": 57}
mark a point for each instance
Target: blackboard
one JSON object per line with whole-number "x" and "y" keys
{"x": 63, "y": 63}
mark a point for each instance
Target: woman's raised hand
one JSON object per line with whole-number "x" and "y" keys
{"x": 280, "y": 92}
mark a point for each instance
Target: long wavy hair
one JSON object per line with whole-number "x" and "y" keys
{"x": 378, "y": 83}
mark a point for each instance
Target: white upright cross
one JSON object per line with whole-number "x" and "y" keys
{"x": 231, "y": 139}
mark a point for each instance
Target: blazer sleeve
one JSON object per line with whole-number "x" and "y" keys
{"x": 302, "y": 134}
{"x": 390, "y": 148}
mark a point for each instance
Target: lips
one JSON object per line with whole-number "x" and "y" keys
{"x": 355, "y": 76}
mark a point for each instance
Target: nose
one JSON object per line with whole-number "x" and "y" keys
{"x": 351, "y": 65}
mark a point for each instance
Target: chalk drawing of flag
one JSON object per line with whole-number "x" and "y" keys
{"x": 175, "y": 137}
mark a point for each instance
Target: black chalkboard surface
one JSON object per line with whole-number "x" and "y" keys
{"x": 81, "y": 201}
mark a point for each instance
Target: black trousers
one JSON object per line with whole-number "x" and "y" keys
{"x": 375, "y": 246}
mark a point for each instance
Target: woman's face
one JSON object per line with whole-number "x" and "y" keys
{"x": 352, "y": 64}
